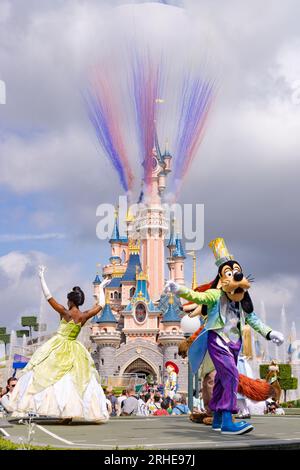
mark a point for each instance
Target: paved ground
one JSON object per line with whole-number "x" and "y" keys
{"x": 160, "y": 433}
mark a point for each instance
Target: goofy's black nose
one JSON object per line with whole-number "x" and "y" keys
{"x": 238, "y": 276}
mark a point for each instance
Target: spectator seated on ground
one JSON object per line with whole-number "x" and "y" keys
{"x": 163, "y": 411}
{"x": 113, "y": 401}
{"x": 11, "y": 383}
{"x": 121, "y": 398}
{"x": 143, "y": 409}
{"x": 180, "y": 408}
{"x": 130, "y": 404}
{"x": 155, "y": 404}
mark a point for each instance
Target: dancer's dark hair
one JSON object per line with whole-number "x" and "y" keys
{"x": 76, "y": 296}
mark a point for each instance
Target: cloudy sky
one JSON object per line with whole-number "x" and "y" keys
{"x": 52, "y": 175}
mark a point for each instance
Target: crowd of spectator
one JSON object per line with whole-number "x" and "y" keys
{"x": 150, "y": 402}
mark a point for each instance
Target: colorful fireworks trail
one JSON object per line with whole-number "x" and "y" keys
{"x": 147, "y": 93}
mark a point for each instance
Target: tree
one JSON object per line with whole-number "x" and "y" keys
{"x": 5, "y": 338}
{"x": 31, "y": 322}
{"x": 285, "y": 379}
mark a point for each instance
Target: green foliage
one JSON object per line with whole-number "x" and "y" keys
{"x": 21, "y": 333}
{"x": 286, "y": 381}
{"x": 2, "y": 330}
{"x": 29, "y": 321}
{"x": 291, "y": 404}
{"x": 289, "y": 384}
{"x": 5, "y": 338}
{"x": 8, "y": 445}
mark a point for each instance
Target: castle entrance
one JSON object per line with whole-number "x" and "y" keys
{"x": 139, "y": 366}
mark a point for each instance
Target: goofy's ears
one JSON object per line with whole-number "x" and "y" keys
{"x": 246, "y": 303}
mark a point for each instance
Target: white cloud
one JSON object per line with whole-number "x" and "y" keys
{"x": 21, "y": 291}
{"x": 28, "y": 236}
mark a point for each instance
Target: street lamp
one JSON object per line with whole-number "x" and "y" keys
{"x": 188, "y": 326}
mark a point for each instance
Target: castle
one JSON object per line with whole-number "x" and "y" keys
{"x": 139, "y": 328}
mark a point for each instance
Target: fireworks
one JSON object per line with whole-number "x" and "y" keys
{"x": 145, "y": 94}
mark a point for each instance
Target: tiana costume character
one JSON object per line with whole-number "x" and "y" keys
{"x": 61, "y": 380}
{"x": 229, "y": 308}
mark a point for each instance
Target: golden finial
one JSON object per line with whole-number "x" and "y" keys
{"x": 134, "y": 246}
{"x": 194, "y": 280}
{"x": 171, "y": 298}
{"x": 129, "y": 215}
{"x": 107, "y": 297}
{"x": 141, "y": 276}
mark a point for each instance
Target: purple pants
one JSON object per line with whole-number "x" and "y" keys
{"x": 224, "y": 357}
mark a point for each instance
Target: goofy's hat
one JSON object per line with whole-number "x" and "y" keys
{"x": 220, "y": 251}
{"x": 172, "y": 364}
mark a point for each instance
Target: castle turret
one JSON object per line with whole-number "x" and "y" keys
{"x": 172, "y": 247}
{"x": 179, "y": 257}
{"x": 96, "y": 285}
{"x": 107, "y": 338}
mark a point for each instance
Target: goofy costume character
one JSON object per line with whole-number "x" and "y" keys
{"x": 229, "y": 308}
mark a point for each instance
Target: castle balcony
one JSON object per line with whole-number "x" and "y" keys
{"x": 102, "y": 337}
{"x": 170, "y": 336}
{"x": 109, "y": 269}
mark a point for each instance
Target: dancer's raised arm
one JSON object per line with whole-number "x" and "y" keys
{"x": 48, "y": 296}
{"x": 100, "y": 301}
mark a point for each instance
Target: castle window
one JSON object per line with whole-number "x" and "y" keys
{"x": 111, "y": 295}
{"x": 102, "y": 362}
{"x": 116, "y": 295}
{"x": 175, "y": 355}
{"x": 181, "y": 267}
{"x": 131, "y": 292}
{"x": 140, "y": 313}
{"x": 119, "y": 295}
{"x": 123, "y": 256}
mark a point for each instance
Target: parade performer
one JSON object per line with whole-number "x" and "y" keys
{"x": 229, "y": 308}
{"x": 273, "y": 379}
{"x": 61, "y": 380}
{"x": 171, "y": 384}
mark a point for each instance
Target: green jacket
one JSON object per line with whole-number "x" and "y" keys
{"x": 216, "y": 302}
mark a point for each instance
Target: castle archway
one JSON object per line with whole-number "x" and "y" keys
{"x": 141, "y": 366}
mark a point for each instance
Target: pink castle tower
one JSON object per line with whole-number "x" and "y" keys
{"x": 150, "y": 224}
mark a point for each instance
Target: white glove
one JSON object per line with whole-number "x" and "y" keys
{"x": 101, "y": 296}
{"x": 44, "y": 286}
{"x": 172, "y": 286}
{"x": 41, "y": 270}
{"x": 276, "y": 337}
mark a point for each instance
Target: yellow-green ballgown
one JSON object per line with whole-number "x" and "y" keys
{"x": 61, "y": 380}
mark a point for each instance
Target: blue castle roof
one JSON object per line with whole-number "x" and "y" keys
{"x": 106, "y": 317}
{"x": 164, "y": 304}
{"x": 115, "y": 282}
{"x": 97, "y": 280}
{"x": 115, "y": 236}
{"x": 179, "y": 251}
{"x": 171, "y": 316}
{"x": 133, "y": 262}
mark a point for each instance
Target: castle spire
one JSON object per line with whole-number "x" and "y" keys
{"x": 194, "y": 279}
{"x": 115, "y": 237}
